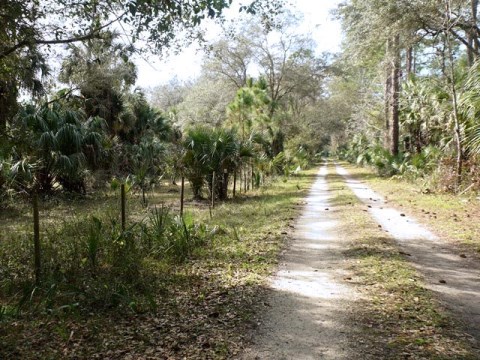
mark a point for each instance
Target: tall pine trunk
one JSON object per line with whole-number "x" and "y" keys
{"x": 472, "y": 38}
{"x": 474, "y": 28}
{"x": 410, "y": 62}
{"x": 453, "y": 89}
{"x": 395, "y": 92}
{"x": 387, "y": 95}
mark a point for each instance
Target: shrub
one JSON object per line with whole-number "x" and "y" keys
{"x": 174, "y": 237}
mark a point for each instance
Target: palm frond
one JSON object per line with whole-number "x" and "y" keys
{"x": 473, "y": 139}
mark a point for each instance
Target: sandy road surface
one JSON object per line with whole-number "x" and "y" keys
{"x": 306, "y": 311}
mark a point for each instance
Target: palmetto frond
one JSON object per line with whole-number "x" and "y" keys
{"x": 470, "y": 106}
{"x": 47, "y": 141}
{"x": 211, "y": 151}
{"x": 69, "y": 139}
{"x": 62, "y": 143}
{"x": 473, "y": 139}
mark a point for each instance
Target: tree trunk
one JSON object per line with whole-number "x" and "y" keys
{"x": 387, "y": 95}
{"x": 245, "y": 180}
{"x": 252, "y": 175}
{"x": 453, "y": 88}
{"x": 458, "y": 142}
{"x": 240, "y": 179}
{"x": 182, "y": 196}
{"x": 122, "y": 206}
{"x": 225, "y": 186}
{"x": 36, "y": 239}
{"x": 278, "y": 143}
{"x": 443, "y": 59}
{"x": 234, "y": 182}
{"x": 8, "y": 103}
{"x": 395, "y": 124}
{"x": 221, "y": 188}
{"x": 470, "y": 56}
{"x": 473, "y": 31}
{"x": 212, "y": 187}
{"x": 409, "y": 65}
{"x": 414, "y": 62}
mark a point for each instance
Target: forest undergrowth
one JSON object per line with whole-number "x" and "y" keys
{"x": 166, "y": 287}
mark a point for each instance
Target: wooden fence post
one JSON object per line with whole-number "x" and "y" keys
{"x": 213, "y": 190}
{"x": 122, "y": 201}
{"x": 36, "y": 239}
{"x": 182, "y": 194}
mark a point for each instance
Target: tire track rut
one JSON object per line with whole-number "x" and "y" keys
{"x": 455, "y": 280}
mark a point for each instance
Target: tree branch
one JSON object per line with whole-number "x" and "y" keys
{"x": 92, "y": 35}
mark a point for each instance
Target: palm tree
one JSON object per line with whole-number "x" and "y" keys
{"x": 148, "y": 157}
{"x": 196, "y": 165}
{"x": 60, "y": 143}
{"x": 470, "y": 106}
{"x": 209, "y": 152}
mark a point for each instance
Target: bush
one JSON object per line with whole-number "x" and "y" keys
{"x": 407, "y": 165}
{"x": 174, "y": 237}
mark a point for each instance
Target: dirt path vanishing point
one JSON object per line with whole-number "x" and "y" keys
{"x": 454, "y": 279}
{"x": 307, "y": 307}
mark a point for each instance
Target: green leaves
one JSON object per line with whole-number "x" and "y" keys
{"x": 210, "y": 151}
{"x": 60, "y": 142}
{"x": 249, "y": 108}
{"x": 473, "y": 139}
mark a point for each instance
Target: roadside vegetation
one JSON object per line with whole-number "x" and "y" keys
{"x": 164, "y": 283}
{"x": 171, "y": 286}
{"x": 171, "y": 278}
{"x": 425, "y": 62}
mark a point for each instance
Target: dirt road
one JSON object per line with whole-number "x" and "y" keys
{"x": 309, "y": 303}
{"x": 453, "y": 278}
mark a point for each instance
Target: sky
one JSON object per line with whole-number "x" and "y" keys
{"x": 318, "y": 21}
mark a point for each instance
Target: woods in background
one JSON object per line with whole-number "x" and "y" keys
{"x": 402, "y": 95}
{"x": 412, "y": 66}
{"x": 257, "y": 95}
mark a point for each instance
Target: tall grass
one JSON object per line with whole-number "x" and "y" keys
{"x": 90, "y": 263}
